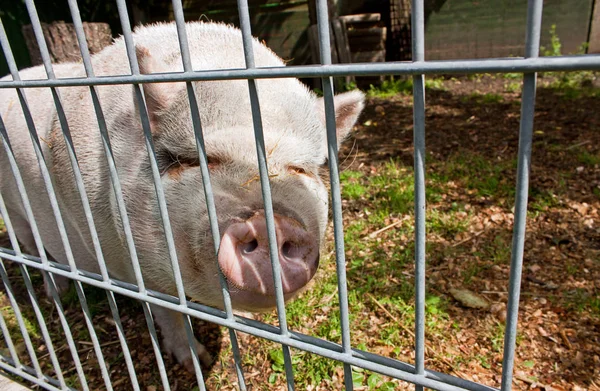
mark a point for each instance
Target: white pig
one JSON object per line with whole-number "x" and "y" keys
{"x": 295, "y": 138}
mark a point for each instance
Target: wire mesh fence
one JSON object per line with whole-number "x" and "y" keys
{"x": 155, "y": 302}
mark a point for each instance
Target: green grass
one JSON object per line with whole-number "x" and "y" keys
{"x": 512, "y": 75}
{"x": 13, "y": 326}
{"x": 513, "y": 86}
{"x": 391, "y": 87}
{"x": 487, "y": 98}
{"x": 542, "y": 201}
{"x": 446, "y": 224}
{"x": 571, "y": 85}
{"x": 581, "y": 300}
{"x": 589, "y": 159}
{"x": 352, "y": 188}
{"x": 486, "y": 176}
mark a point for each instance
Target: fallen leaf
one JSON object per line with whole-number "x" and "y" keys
{"x": 469, "y": 299}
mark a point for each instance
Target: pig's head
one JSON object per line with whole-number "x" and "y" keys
{"x": 293, "y": 120}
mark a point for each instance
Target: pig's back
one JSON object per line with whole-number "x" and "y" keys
{"x": 211, "y": 45}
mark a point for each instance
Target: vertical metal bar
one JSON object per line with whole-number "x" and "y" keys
{"x": 127, "y": 34}
{"x": 112, "y": 170}
{"x": 52, "y": 196}
{"x": 111, "y": 299}
{"x": 263, "y": 171}
{"x": 418, "y": 53}
{"x": 532, "y": 42}
{"x": 237, "y": 359}
{"x": 93, "y": 336}
{"x": 41, "y": 321}
{"x": 206, "y": 183}
{"x": 37, "y": 148}
{"x": 38, "y": 241}
{"x": 32, "y": 297}
{"x": 9, "y": 343}
{"x": 156, "y": 346}
{"x": 141, "y": 100}
{"x": 194, "y": 351}
{"x": 67, "y": 329}
{"x": 162, "y": 204}
{"x": 334, "y": 176}
{"x": 37, "y": 29}
{"x": 20, "y": 321}
{"x": 121, "y": 335}
{"x": 262, "y": 163}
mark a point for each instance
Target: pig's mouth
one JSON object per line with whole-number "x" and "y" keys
{"x": 244, "y": 259}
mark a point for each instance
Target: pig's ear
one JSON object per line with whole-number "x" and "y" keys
{"x": 159, "y": 96}
{"x": 348, "y": 107}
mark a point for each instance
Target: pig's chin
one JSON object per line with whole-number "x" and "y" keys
{"x": 256, "y": 302}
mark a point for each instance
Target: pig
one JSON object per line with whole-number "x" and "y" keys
{"x": 295, "y": 138}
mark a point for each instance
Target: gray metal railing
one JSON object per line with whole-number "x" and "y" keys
{"x": 345, "y": 353}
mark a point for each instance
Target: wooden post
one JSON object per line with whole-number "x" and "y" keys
{"x": 62, "y": 41}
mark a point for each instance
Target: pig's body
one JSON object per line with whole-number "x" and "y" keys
{"x": 295, "y": 143}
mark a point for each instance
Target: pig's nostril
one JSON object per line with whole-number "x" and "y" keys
{"x": 287, "y": 250}
{"x": 247, "y": 248}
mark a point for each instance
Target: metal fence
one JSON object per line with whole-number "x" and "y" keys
{"x": 344, "y": 353}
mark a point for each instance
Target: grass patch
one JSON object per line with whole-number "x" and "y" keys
{"x": 571, "y": 85}
{"x": 351, "y": 188}
{"x": 513, "y": 86}
{"x": 487, "y": 98}
{"x": 581, "y": 300}
{"x": 589, "y": 159}
{"x": 392, "y": 86}
{"x": 13, "y": 326}
{"x": 486, "y": 176}
{"x": 446, "y": 224}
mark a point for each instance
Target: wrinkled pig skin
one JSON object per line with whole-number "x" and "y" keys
{"x": 295, "y": 138}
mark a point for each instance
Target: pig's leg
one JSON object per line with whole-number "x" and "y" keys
{"x": 25, "y": 236}
{"x": 175, "y": 339}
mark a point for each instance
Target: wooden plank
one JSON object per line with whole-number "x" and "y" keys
{"x": 594, "y": 40}
{"x": 373, "y": 56}
{"x": 362, "y": 46}
{"x": 313, "y": 35}
{"x": 313, "y": 38}
{"x": 342, "y": 46}
{"x": 360, "y": 18}
{"x": 341, "y": 40}
{"x": 377, "y": 31}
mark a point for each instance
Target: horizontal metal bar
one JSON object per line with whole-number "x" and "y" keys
{"x": 49, "y": 384}
{"x": 501, "y": 65}
{"x": 358, "y": 358}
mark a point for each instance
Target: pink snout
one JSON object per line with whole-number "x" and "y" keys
{"x": 244, "y": 259}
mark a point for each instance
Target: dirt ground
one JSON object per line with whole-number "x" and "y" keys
{"x": 472, "y": 128}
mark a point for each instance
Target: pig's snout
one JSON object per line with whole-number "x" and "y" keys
{"x": 244, "y": 259}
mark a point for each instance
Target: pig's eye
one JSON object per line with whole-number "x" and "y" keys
{"x": 213, "y": 162}
{"x": 173, "y": 164}
{"x": 297, "y": 170}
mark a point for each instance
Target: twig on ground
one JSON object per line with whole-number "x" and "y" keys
{"x": 387, "y": 227}
{"x": 63, "y": 347}
{"x": 578, "y": 145}
{"x": 565, "y": 339}
{"x": 476, "y": 234}
{"x": 92, "y": 345}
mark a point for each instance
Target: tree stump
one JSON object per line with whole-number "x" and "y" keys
{"x": 62, "y": 41}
